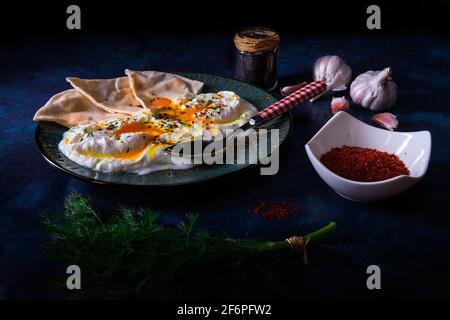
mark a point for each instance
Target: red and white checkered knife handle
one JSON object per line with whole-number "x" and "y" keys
{"x": 304, "y": 94}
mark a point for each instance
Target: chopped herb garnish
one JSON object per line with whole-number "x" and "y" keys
{"x": 111, "y": 126}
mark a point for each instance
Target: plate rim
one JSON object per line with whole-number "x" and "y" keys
{"x": 102, "y": 182}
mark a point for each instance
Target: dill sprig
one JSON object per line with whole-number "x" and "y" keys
{"x": 129, "y": 253}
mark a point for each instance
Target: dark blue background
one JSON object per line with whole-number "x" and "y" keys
{"x": 407, "y": 236}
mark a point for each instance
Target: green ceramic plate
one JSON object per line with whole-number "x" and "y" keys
{"x": 49, "y": 134}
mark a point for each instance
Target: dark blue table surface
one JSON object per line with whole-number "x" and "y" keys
{"x": 407, "y": 236}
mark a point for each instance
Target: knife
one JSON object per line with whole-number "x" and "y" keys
{"x": 276, "y": 109}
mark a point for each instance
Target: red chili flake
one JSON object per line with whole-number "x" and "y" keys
{"x": 278, "y": 210}
{"x": 363, "y": 164}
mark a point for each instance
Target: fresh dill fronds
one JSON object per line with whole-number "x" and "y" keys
{"x": 129, "y": 253}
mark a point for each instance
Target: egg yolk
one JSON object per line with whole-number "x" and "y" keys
{"x": 138, "y": 127}
{"x": 132, "y": 155}
{"x": 161, "y": 102}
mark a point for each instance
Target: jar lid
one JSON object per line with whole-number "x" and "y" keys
{"x": 257, "y": 39}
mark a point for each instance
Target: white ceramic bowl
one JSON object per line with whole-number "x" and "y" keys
{"x": 413, "y": 148}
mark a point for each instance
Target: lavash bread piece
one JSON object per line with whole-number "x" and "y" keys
{"x": 149, "y": 85}
{"x": 108, "y": 99}
{"x": 112, "y": 95}
{"x": 70, "y": 108}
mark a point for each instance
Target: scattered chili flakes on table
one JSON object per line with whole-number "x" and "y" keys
{"x": 277, "y": 210}
{"x": 363, "y": 164}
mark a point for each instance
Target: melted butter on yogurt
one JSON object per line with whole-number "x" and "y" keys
{"x": 136, "y": 144}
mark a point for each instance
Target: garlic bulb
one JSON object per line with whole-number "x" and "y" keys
{"x": 374, "y": 90}
{"x": 334, "y": 71}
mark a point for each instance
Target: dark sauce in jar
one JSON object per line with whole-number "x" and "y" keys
{"x": 257, "y": 57}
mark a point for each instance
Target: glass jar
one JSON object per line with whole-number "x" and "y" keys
{"x": 257, "y": 56}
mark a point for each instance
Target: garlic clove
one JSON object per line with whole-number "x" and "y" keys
{"x": 285, "y": 91}
{"x": 339, "y": 104}
{"x": 386, "y": 120}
